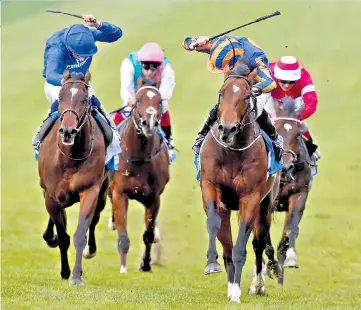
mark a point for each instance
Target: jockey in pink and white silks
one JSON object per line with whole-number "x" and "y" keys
{"x": 73, "y": 48}
{"x": 150, "y": 63}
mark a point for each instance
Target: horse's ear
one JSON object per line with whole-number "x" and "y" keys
{"x": 252, "y": 76}
{"x": 66, "y": 75}
{"x": 87, "y": 77}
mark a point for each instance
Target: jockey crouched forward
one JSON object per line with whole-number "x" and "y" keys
{"x": 150, "y": 63}
{"x": 225, "y": 51}
{"x": 73, "y": 48}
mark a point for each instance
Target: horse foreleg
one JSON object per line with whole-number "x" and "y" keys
{"x": 91, "y": 249}
{"x": 261, "y": 230}
{"x": 48, "y": 235}
{"x": 88, "y": 201}
{"x": 209, "y": 195}
{"x": 249, "y": 207}
{"x": 150, "y": 216}
{"x": 58, "y": 217}
{"x": 120, "y": 209}
{"x": 225, "y": 238}
{"x": 296, "y": 206}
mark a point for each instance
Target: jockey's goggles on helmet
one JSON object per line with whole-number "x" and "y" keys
{"x": 287, "y": 82}
{"x": 153, "y": 66}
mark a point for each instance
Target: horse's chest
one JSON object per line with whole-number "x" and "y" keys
{"x": 141, "y": 184}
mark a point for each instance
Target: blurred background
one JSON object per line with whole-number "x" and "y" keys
{"x": 323, "y": 35}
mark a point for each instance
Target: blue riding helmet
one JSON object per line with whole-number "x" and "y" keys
{"x": 80, "y": 41}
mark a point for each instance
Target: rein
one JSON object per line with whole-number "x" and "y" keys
{"x": 81, "y": 122}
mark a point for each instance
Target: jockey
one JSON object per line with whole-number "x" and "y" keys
{"x": 149, "y": 62}
{"x": 225, "y": 51}
{"x": 294, "y": 81}
{"x": 72, "y": 48}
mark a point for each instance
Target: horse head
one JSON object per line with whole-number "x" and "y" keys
{"x": 234, "y": 103}
{"x": 147, "y": 111}
{"x": 74, "y": 105}
{"x": 289, "y": 126}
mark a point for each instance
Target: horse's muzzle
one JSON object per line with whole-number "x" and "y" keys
{"x": 227, "y": 133}
{"x": 68, "y": 135}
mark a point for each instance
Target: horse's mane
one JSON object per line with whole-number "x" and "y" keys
{"x": 242, "y": 67}
{"x": 289, "y": 105}
{"x": 77, "y": 76}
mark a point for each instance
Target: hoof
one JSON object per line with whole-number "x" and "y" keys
{"x": 53, "y": 243}
{"x": 291, "y": 259}
{"x": 145, "y": 268}
{"x": 111, "y": 224}
{"x": 65, "y": 274}
{"x": 273, "y": 269}
{"x": 212, "y": 268}
{"x": 253, "y": 290}
{"x": 87, "y": 254}
{"x": 235, "y": 299}
{"x": 123, "y": 269}
{"x": 76, "y": 281}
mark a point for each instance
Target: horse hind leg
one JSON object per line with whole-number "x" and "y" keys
{"x": 50, "y": 238}
{"x": 273, "y": 269}
{"x": 151, "y": 213}
{"x": 91, "y": 248}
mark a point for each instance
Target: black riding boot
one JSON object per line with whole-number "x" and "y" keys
{"x": 212, "y": 117}
{"x": 266, "y": 125}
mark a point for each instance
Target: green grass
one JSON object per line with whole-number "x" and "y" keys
{"x": 325, "y": 36}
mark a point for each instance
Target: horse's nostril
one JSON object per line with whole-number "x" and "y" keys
{"x": 156, "y": 123}
{"x": 224, "y": 138}
{"x": 61, "y": 130}
{"x": 220, "y": 127}
{"x": 144, "y": 123}
{"x": 73, "y": 131}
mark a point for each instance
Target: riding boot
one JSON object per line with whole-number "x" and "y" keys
{"x": 212, "y": 117}
{"x": 47, "y": 124}
{"x": 168, "y": 135}
{"x": 311, "y": 147}
{"x": 266, "y": 125}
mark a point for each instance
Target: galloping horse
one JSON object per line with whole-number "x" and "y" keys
{"x": 143, "y": 170}
{"x": 72, "y": 169}
{"x": 233, "y": 161}
{"x": 295, "y": 182}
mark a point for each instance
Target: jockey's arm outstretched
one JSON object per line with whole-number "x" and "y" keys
{"x": 72, "y": 48}
{"x": 225, "y": 51}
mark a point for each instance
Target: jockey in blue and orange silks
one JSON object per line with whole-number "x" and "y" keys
{"x": 226, "y": 51}
{"x": 72, "y": 48}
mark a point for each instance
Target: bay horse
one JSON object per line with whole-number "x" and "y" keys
{"x": 233, "y": 161}
{"x": 294, "y": 185}
{"x": 72, "y": 169}
{"x": 143, "y": 171}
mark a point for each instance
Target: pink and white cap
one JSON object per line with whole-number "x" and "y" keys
{"x": 288, "y": 69}
{"x": 151, "y": 52}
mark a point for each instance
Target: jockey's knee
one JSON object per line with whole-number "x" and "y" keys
{"x": 95, "y": 102}
{"x": 165, "y": 120}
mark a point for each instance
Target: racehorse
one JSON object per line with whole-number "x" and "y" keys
{"x": 234, "y": 166}
{"x": 294, "y": 185}
{"x": 72, "y": 169}
{"x": 143, "y": 170}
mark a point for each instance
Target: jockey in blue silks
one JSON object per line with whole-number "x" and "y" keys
{"x": 73, "y": 48}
